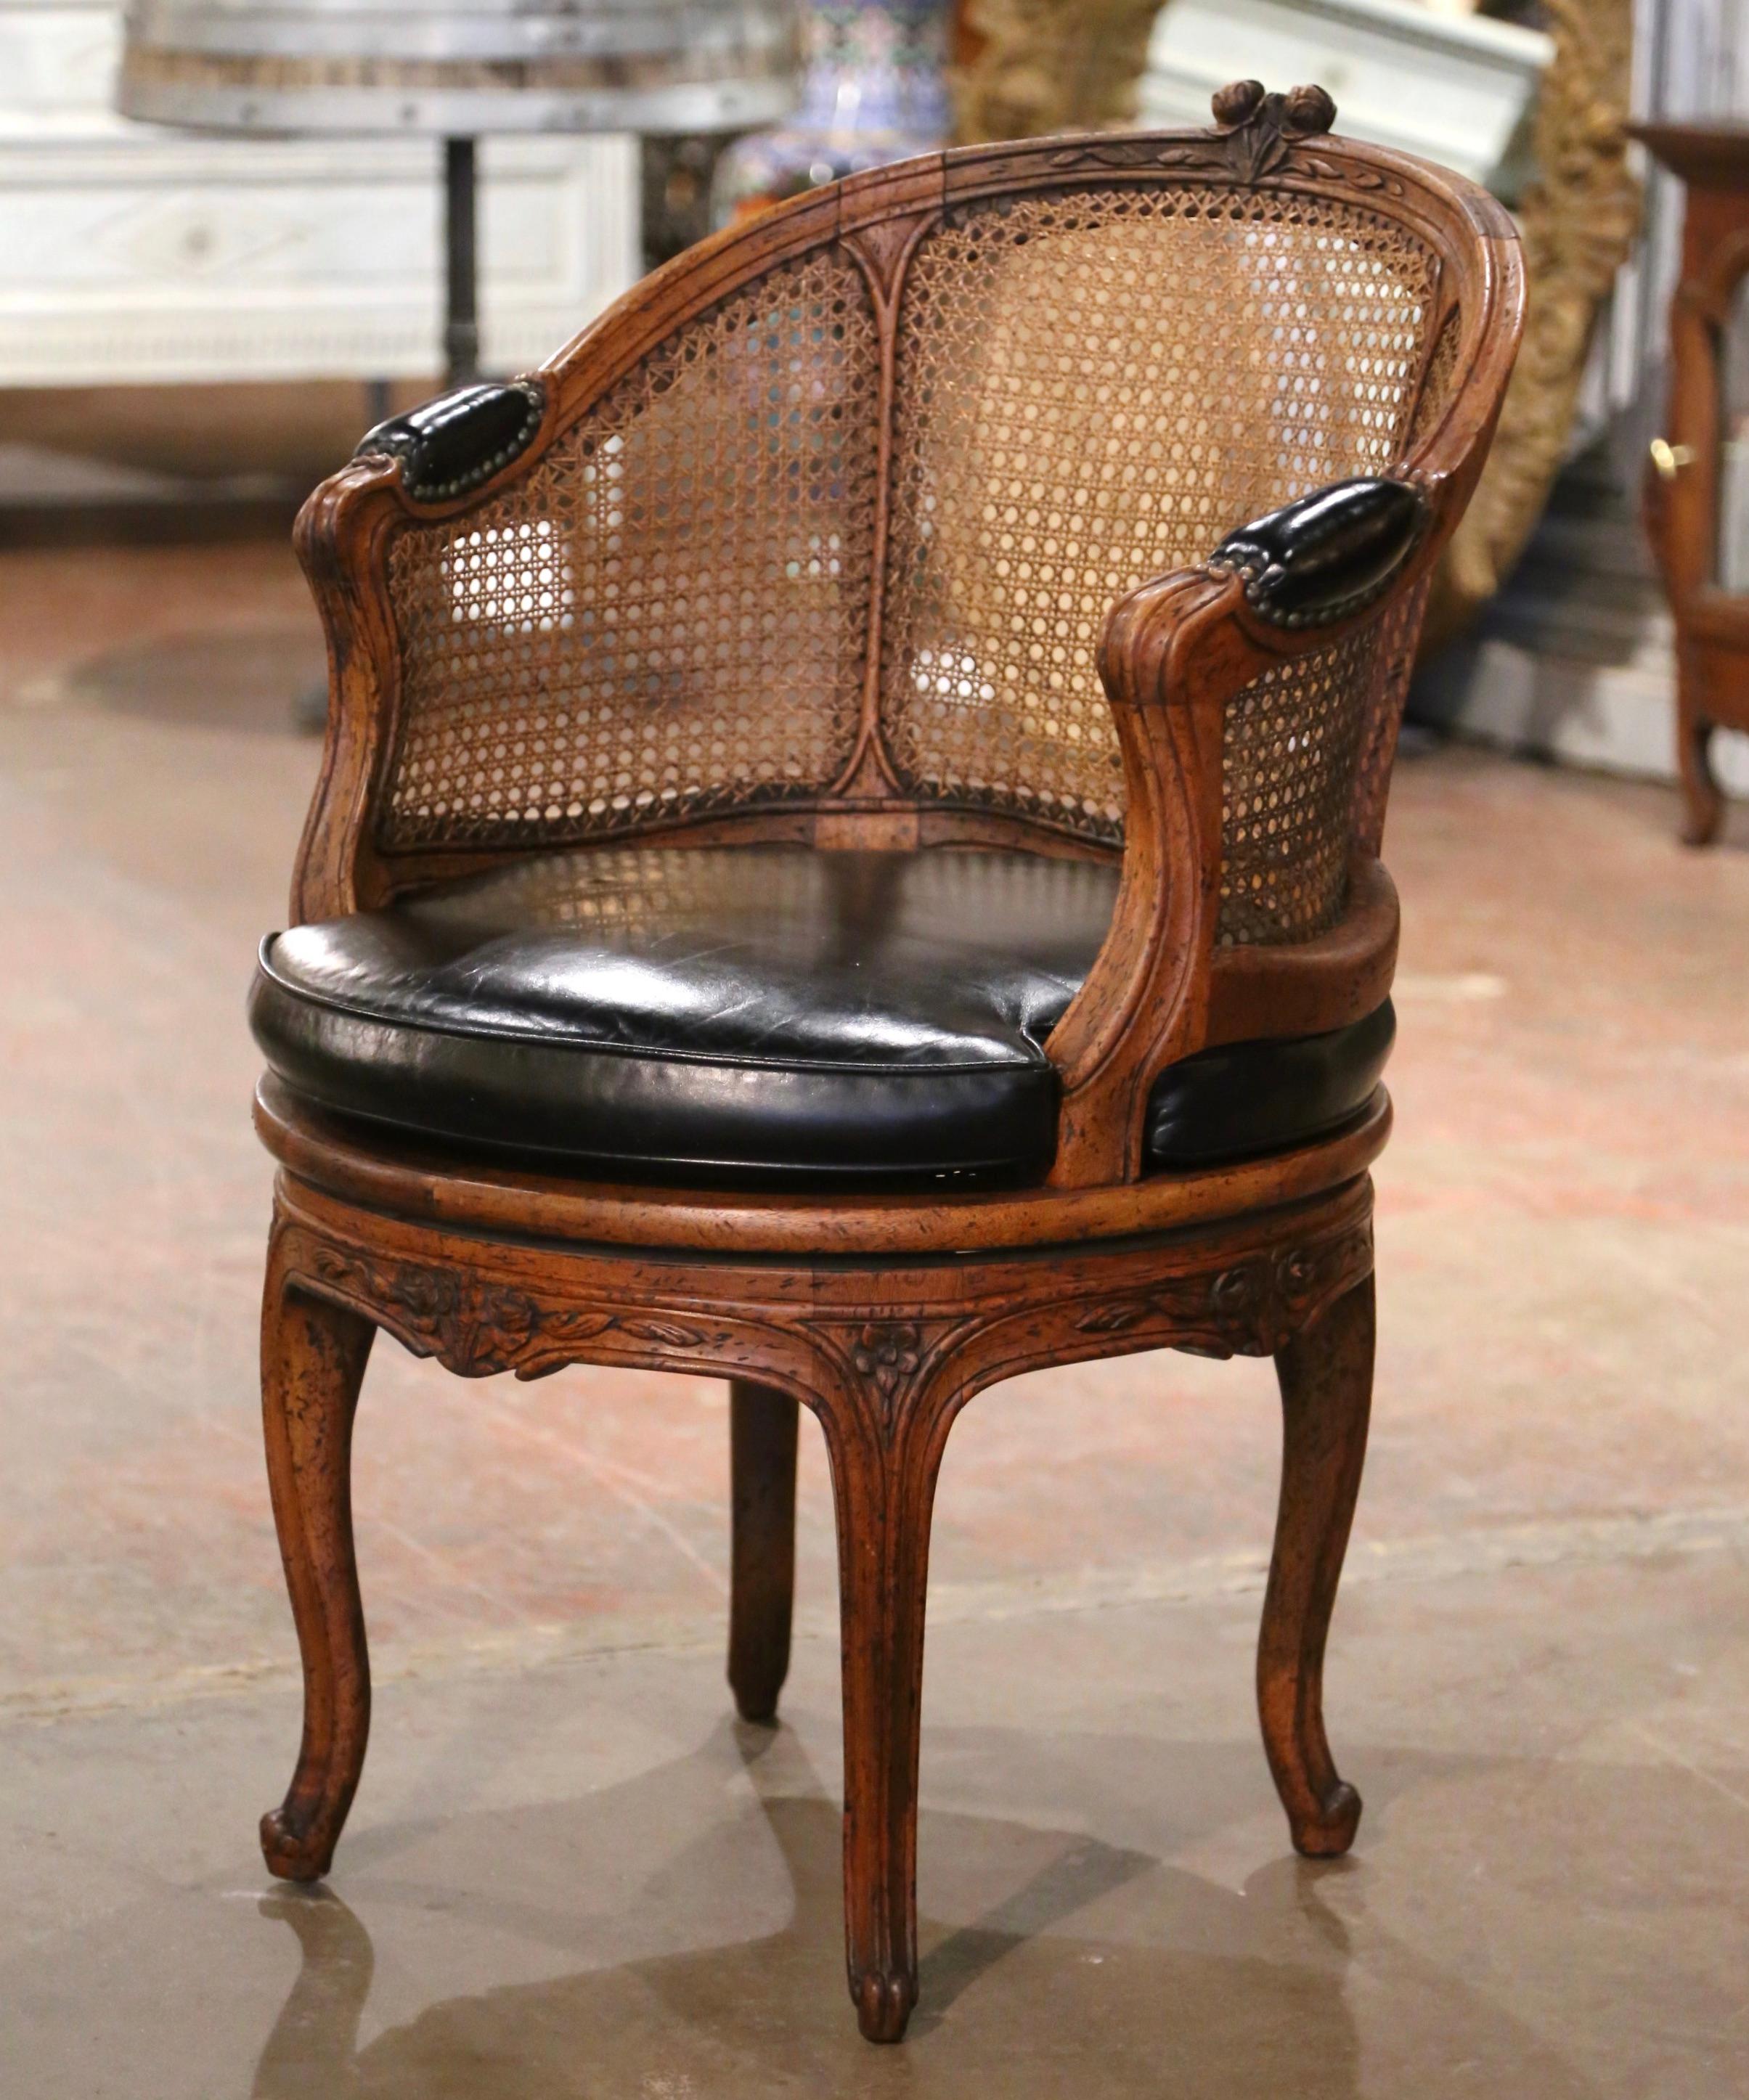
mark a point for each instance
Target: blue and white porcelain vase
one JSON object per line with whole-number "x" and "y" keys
{"x": 875, "y": 91}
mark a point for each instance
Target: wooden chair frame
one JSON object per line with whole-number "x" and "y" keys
{"x": 885, "y": 1313}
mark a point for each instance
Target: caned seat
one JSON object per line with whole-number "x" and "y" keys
{"x": 847, "y": 860}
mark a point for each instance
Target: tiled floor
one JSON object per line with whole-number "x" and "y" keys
{"x": 571, "y": 1873}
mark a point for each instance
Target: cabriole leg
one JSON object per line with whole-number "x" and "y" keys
{"x": 1703, "y": 801}
{"x": 313, "y": 1354}
{"x": 1326, "y": 1377}
{"x": 762, "y": 1548}
{"x": 884, "y": 1461}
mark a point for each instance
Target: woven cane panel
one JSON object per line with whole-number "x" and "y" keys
{"x": 670, "y": 614}
{"x": 634, "y": 894}
{"x": 1291, "y": 747}
{"x": 1440, "y": 382}
{"x": 792, "y": 903}
{"x": 1094, "y": 386}
{"x": 1394, "y": 642}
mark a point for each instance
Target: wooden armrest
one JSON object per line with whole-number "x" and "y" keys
{"x": 1174, "y": 654}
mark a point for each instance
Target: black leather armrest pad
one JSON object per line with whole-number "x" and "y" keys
{"x": 455, "y": 443}
{"x": 1328, "y": 554}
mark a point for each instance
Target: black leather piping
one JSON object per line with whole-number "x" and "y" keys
{"x": 459, "y": 441}
{"x": 1329, "y": 555}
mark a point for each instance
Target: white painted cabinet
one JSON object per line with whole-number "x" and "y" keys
{"x": 129, "y": 253}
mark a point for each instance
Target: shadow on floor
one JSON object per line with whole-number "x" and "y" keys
{"x": 255, "y": 681}
{"x": 1015, "y": 2002}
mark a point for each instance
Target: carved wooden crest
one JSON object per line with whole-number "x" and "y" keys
{"x": 1257, "y": 134}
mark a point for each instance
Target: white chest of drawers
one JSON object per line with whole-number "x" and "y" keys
{"x": 130, "y": 254}
{"x": 1455, "y": 88}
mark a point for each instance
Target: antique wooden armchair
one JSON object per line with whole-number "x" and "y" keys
{"x": 843, "y": 862}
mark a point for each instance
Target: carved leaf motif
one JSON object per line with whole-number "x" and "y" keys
{"x": 1233, "y": 1292}
{"x": 1117, "y": 156}
{"x": 502, "y": 1330}
{"x": 1202, "y": 159}
{"x": 669, "y": 1333}
{"x": 1183, "y": 1306}
{"x": 1114, "y": 1319}
{"x": 341, "y": 1270}
{"x": 427, "y": 1296}
{"x": 1373, "y": 180}
{"x": 578, "y": 1326}
{"x": 1255, "y": 151}
{"x": 473, "y": 1329}
{"x": 1253, "y": 1307}
{"x": 476, "y": 1329}
{"x": 1295, "y": 1270}
{"x": 1267, "y": 142}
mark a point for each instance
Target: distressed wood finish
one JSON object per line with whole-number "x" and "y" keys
{"x": 314, "y": 1349}
{"x": 1326, "y": 1374}
{"x": 383, "y": 1173}
{"x": 1174, "y": 654}
{"x": 761, "y": 1544}
{"x": 1683, "y": 485}
{"x": 884, "y": 1314}
{"x": 885, "y": 1348}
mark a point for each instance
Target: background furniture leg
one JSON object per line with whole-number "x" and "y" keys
{"x": 1326, "y": 1377}
{"x": 884, "y": 1463}
{"x": 1703, "y": 801}
{"x": 313, "y": 1354}
{"x": 763, "y": 1544}
{"x": 460, "y": 262}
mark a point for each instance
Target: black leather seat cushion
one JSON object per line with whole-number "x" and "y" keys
{"x": 753, "y": 1010}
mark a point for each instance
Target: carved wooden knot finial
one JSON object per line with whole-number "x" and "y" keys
{"x": 1310, "y": 109}
{"x": 1239, "y": 99}
{"x": 1305, "y": 110}
{"x": 1257, "y": 131}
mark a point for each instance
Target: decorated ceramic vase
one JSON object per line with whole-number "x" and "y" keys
{"x": 876, "y": 90}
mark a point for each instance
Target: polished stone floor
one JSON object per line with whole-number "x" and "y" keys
{"x": 567, "y": 1872}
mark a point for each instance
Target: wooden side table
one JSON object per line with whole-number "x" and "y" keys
{"x": 1698, "y": 483}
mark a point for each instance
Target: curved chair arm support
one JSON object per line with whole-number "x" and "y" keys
{"x": 1174, "y": 652}
{"x": 341, "y": 537}
{"x": 433, "y": 461}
